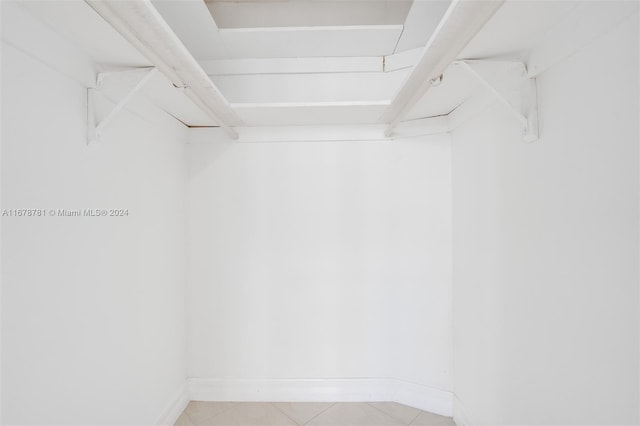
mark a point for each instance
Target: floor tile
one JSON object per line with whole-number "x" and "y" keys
{"x": 400, "y": 412}
{"x": 200, "y": 411}
{"x": 251, "y": 414}
{"x": 184, "y": 420}
{"x": 302, "y": 412}
{"x": 354, "y": 414}
{"x": 430, "y": 419}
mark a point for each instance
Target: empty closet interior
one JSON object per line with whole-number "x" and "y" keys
{"x": 429, "y": 202}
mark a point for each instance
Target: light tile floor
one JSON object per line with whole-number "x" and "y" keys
{"x": 307, "y": 413}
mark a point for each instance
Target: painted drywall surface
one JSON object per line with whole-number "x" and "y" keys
{"x": 92, "y": 307}
{"x": 545, "y": 249}
{"x": 320, "y": 260}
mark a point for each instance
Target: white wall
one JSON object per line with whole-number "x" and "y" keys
{"x": 320, "y": 260}
{"x": 92, "y": 308}
{"x": 545, "y": 249}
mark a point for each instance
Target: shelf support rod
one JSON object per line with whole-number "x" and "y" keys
{"x": 95, "y": 129}
{"x": 527, "y": 116}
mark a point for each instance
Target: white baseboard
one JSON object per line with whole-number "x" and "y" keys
{"x": 318, "y": 390}
{"x": 459, "y": 415}
{"x": 175, "y": 406}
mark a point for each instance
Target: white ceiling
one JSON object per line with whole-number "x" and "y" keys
{"x": 292, "y": 62}
{"x": 299, "y": 114}
{"x": 295, "y": 42}
{"x": 307, "y": 13}
{"x": 422, "y": 20}
{"x": 299, "y": 28}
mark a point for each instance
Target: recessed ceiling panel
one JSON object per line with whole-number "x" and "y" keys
{"x": 292, "y": 42}
{"x": 307, "y": 13}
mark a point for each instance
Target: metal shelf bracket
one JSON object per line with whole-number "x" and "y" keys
{"x": 95, "y": 128}
{"x": 526, "y": 111}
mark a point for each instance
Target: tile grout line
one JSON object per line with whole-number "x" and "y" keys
{"x": 414, "y": 419}
{"x": 307, "y": 422}
{"x": 389, "y": 415}
{"x": 209, "y": 418}
{"x": 273, "y": 404}
{"x": 439, "y": 422}
{"x": 186, "y": 411}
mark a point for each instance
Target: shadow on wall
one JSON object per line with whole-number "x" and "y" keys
{"x": 206, "y": 158}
